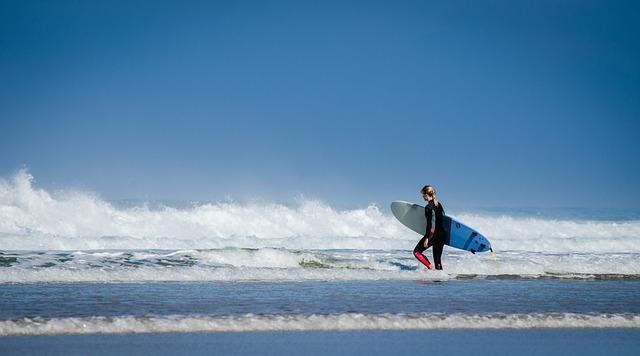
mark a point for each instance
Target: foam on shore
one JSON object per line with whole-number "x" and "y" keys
{"x": 340, "y": 322}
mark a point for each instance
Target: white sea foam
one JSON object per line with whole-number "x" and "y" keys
{"x": 35, "y": 219}
{"x": 32, "y": 219}
{"x": 508, "y": 233}
{"x": 270, "y": 264}
{"x": 200, "y": 274}
{"x": 250, "y": 322}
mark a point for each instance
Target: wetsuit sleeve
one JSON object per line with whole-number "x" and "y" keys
{"x": 431, "y": 222}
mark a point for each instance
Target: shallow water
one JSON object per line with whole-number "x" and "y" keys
{"x": 584, "y": 342}
{"x": 32, "y": 309}
{"x": 305, "y": 298}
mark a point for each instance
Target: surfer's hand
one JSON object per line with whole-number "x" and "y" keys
{"x": 426, "y": 243}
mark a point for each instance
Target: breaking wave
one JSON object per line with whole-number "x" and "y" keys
{"x": 35, "y": 219}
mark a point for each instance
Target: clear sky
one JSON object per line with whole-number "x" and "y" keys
{"x": 496, "y": 103}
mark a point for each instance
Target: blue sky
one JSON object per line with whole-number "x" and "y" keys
{"x": 496, "y": 103}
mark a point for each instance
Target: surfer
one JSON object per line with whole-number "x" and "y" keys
{"x": 435, "y": 234}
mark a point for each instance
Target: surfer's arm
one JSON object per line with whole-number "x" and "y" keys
{"x": 431, "y": 222}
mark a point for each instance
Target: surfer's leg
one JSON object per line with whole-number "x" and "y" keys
{"x": 417, "y": 252}
{"x": 423, "y": 259}
{"x": 437, "y": 254}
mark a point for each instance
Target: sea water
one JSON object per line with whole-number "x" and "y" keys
{"x": 73, "y": 263}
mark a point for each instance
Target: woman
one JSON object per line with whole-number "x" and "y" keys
{"x": 435, "y": 234}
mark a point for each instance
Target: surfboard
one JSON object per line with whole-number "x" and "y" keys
{"x": 458, "y": 235}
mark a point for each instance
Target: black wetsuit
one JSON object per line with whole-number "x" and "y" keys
{"x": 435, "y": 233}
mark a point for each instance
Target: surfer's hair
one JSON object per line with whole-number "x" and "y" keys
{"x": 432, "y": 190}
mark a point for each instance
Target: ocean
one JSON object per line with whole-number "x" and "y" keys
{"x": 268, "y": 278}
